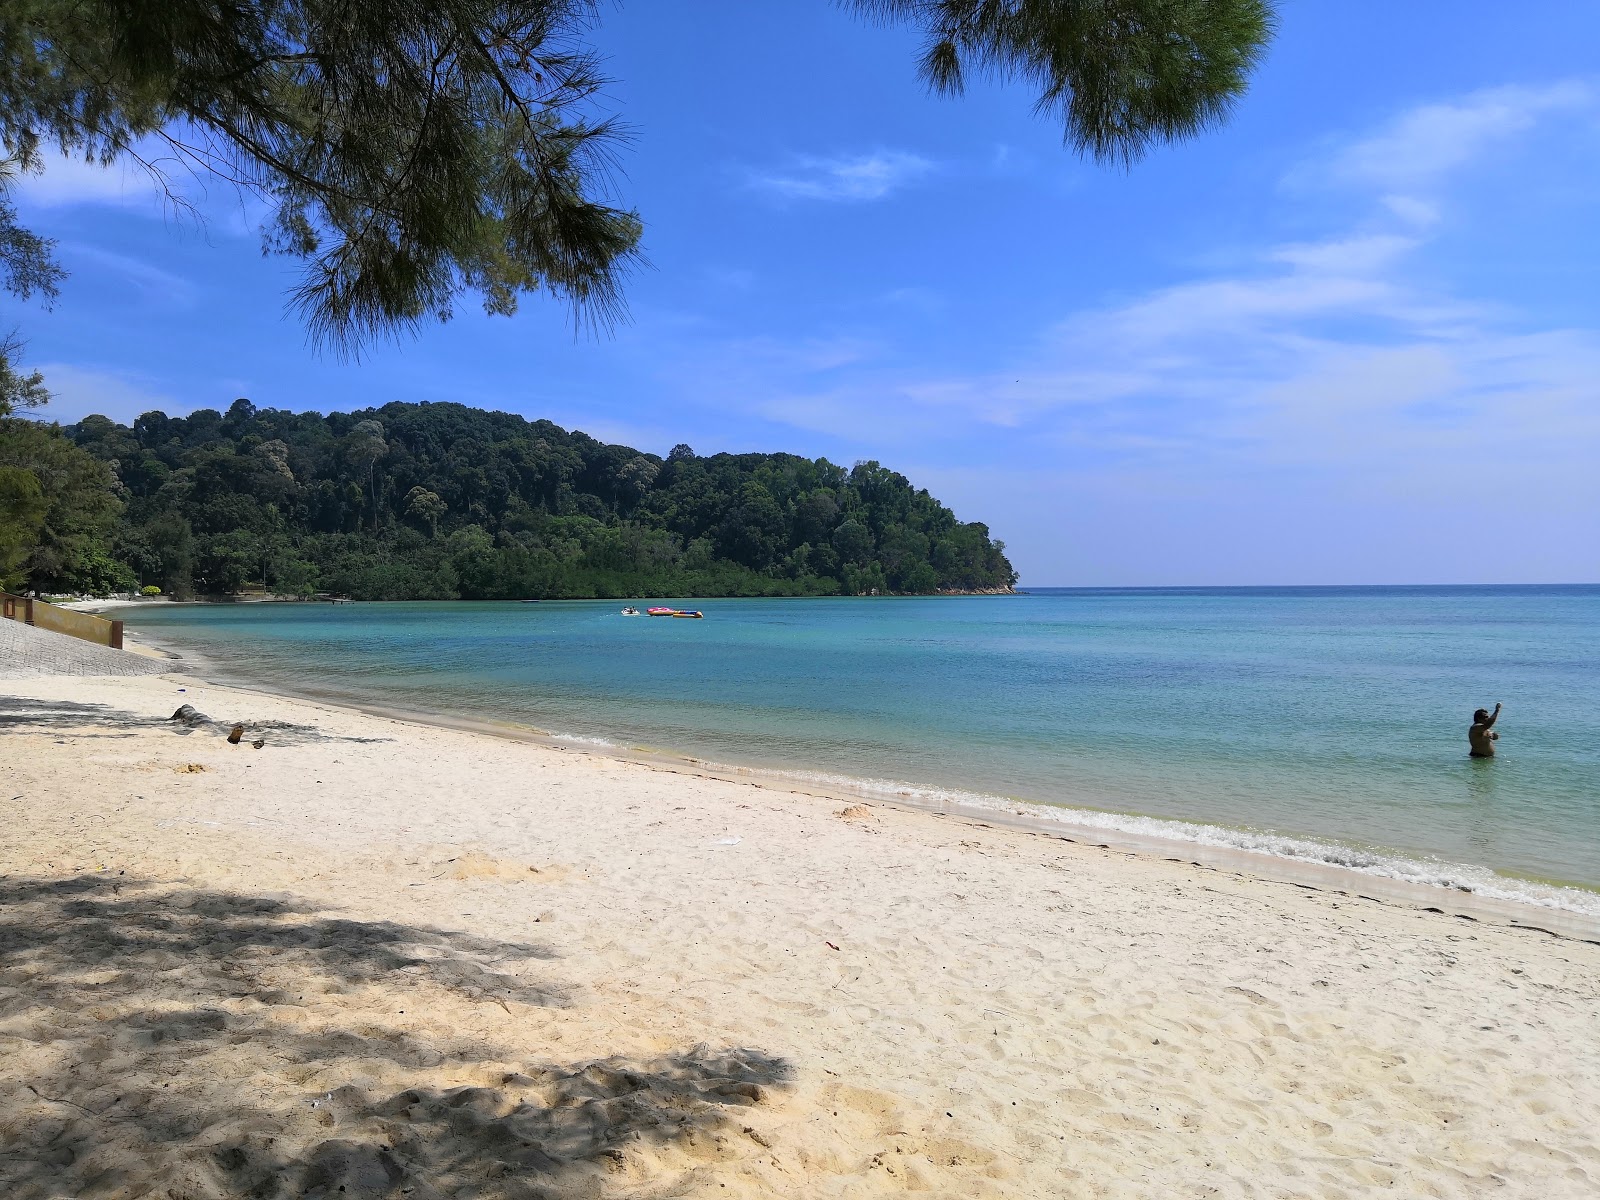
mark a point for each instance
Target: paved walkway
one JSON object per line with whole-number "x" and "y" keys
{"x": 28, "y": 653}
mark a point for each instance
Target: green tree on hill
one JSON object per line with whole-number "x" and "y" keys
{"x": 427, "y": 507}
{"x": 22, "y": 510}
{"x": 432, "y": 501}
{"x": 66, "y": 507}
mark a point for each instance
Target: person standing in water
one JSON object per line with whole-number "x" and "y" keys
{"x": 1481, "y": 737}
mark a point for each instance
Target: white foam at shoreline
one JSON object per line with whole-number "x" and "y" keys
{"x": 580, "y": 740}
{"x": 1430, "y": 872}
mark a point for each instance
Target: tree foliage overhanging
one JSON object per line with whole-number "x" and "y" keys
{"x": 409, "y": 151}
{"x": 413, "y": 152}
{"x": 441, "y": 501}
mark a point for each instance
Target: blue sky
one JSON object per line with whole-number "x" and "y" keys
{"x": 1353, "y": 337}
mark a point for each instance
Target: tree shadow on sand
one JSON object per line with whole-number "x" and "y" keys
{"x": 20, "y": 714}
{"x": 198, "y": 1044}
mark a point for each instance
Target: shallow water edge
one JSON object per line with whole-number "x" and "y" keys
{"x": 1467, "y": 892}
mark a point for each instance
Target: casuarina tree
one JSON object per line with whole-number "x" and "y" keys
{"x": 413, "y": 153}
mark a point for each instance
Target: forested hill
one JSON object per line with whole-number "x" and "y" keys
{"x": 438, "y": 501}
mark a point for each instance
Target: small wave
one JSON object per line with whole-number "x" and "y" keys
{"x": 1438, "y": 873}
{"x": 580, "y": 740}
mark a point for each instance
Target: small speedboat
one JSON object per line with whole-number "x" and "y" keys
{"x": 630, "y": 611}
{"x": 689, "y": 612}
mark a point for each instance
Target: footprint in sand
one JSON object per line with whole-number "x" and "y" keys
{"x": 475, "y": 865}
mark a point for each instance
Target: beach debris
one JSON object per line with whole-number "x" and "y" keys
{"x": 259, "y": 742}
{"x": 857, "y": 812}
{"x": 729, "y": 841}
{"x": 190, "y": 768}
{"x": 187, "y": 715}
{"x": 235, "y": 734}
{"x": 830, "y": 945}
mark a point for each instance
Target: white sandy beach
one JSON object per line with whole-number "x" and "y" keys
{"x": 375, "y": 958}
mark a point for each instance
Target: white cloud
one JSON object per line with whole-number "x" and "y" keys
{"x": 1327, "y": 363}
{"x": 861, "y": 177}
{"x": 81, "y": 391}
{"x": 1359, "y": 255}
{"x": 1420, "y": 146}
{"x": 67, "y": 181}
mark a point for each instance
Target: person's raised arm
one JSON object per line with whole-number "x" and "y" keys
{"x": 1493, "y": 717}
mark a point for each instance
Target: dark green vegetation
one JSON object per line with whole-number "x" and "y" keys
{"x": 439, "y": 501}
{"x": 412, "y": 152}
{"x": 58, "y": 513}
{"x": 1120, "y": 75}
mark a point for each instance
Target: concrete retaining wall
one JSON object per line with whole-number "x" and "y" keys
{"x": 62, "y": 620}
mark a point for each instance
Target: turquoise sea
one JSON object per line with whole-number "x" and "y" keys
{"x": 1317, "y": 723}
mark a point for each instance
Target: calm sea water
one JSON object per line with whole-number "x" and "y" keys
{"x": 1322, "y": 723}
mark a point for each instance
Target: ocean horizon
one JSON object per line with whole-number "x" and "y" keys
{"x": 1320, "y": 723}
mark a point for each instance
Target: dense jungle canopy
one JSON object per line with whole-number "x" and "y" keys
{"x": 441, "y": 501}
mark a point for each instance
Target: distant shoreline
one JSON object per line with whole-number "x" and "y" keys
{"x": 1021, "y": 590}
{"x": 107, "y": 604}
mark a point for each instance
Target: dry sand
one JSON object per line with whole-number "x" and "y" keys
{"x": 380, "y": 959}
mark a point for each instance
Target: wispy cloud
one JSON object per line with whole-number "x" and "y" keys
{"x": 176, "y": 186}
{"x": 847, "y": 178}
{"x": 66, "y": 181}
{"x": 153, "y": 283}
{"x": 1412, "y": 210}
{"x": 1362, "y": 254}
{"x": 810, "y": 356}
{"x": 1423, "y": 144}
